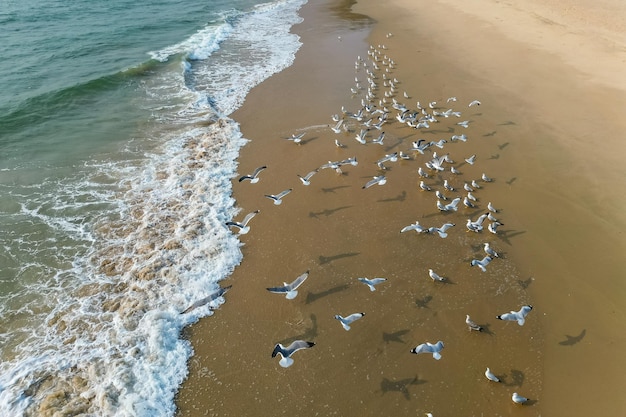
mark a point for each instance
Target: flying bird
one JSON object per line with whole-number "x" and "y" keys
{"x": 482, "y": 264}
{"x": 451, "y": 206}
{"x": 471, "y": 161}
{"x": 296, "y": 138}
{"x": 379, "y": 179}
{"x": 519, "y": 316}
{"x": 213, "y": 296}
{"x": 286, "y": 352}
{"x": 415, "y": 226}
{"x": 441, "y": 230}
{"x": 494, "y": 226}
{"x": 253, "y": 178}
{"x": 290, "y": 290}
{"x": 243, "y": 226}
{"x": 346, "y": 321}
{"x": 474, "y": 103}
{"x": 372, "y": 282}
{"x": 278, "y": 197}
{"x": 306, "y": 180}
{"x": 429, "y": 348}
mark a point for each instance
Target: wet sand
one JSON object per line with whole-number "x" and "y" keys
{"x": 548, "y": 130}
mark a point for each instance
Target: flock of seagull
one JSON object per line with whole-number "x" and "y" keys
{"x": 378, "y": 109}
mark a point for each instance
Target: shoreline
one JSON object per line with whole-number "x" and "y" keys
{"x": 339, "y": 232}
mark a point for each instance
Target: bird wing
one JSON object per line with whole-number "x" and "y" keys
{"x": 259, "y": 169}
{"x": 283, "y": 193}
{"x": 299, "y": 344}
{"x": 298, "y": 281}
{"x": 352, "y": 317}
{"x": 249, "y": 217}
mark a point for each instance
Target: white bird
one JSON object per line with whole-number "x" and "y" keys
{"x": 467, "y": 187}
{"x": 440, "y": 143}
{"x": 379, "y": 139}
{"x": 474, "y": 103}
{"x": 482, "y": 264}
{"x": 475, "y": 184}
{"x": 491, "y": 208}
{"x": 471, "y": 196}
{"x": 435, "y": 276}
{"x": 455, "y": 171}
{"x": 339, "y": 144}
{"x": 337, "y": 127}
{"x": 306, "y": 180}
{"x": 424, "y": 187}
{"x": 491, "y": 217}
{"x": 490, "y": 376}
{"x": 253, "y": 178}
{"x": 286, "y": 352}
{"x": 476, "y": 226}
{"x": 447, "y": 185}
{"x": 243, "y": 226}
{"x": 518, "y": 399}
{"x": 422, "y": 173}
{"x": 372, "y": 282}
{"x": 278, "y": 197}
{"x": 213, "y": 296}
{"x": 472, "y": 325}
{"x": 485, "y": 178}
{"x": 360, "y": 137}
{"x": 490, "y": 251}
{"x": 379, "y": 179}
{"x": 464, "y": 123}
{"x": 440, "y": 195}
{"x": 451, "y": 206}
{"x": 519, "y": 316}
{"x": 471, "y": 159}
{"x": 290, "y": 290}
{"x": 415, "y": 226}
{"x": 429, "y": 348}
{"x": 467, "y": 202}
{"x": 296, "y": 138}
{"x": 346, "y": 321}
{"x": 494, "y": 226}
{"x": 441, "y": 230}
{"x": 462, "y": 138}
{"x": 450, "y": 99}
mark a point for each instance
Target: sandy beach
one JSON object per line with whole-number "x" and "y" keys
{"x": 549, "y": 131}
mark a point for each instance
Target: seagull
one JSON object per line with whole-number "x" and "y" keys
{"x": 490, "y": 376}
{"x": 462, "y": 137}
{"x": 286, "y": 352}
{"x": 455, "y": 171}
{"x": 416, "y": 226}
{"x": 452, "y": 206}
{"x": 493, "y": 226}
{"x": 379, "y": 139}
{"x": 360, "y": 137}
{"x": 346, "y": 321}
{"x": 482, "y": 264}
{"x": 471, "y": 159}
{"x": 372, "y": 282}
{"x": 422, "y": 173}
{"x": 464, "y": 123}
{"x": 440, "y": 143}
{"x": 243, "y": 226}
{"x": 379, "y": 179}
{"x": 475, "y": 184}
{"x": 421, "y": 145}
{"x": 485, "y": 178}
{"x": 254, "y": 176}
{"x": 472, "y": 325}
{"x": 467, "y": 202}
{"x": 476, "y": 226}
{"x": 489, "y": 251}
{"x": 290, "y": 290}
{"x": 441, "y": 196}
{"x": 447, "y": 185}
{"x": 429, "y": 348}
{"x": 339, "y": 144}
{"x": 474, "y": 103}
{"x": 213, "y": 296}
{"x": 441, "y": 230}
{"x": 296, "y": 138}
{"x": 278, "y": 197}
{"x": 467, "y": 187}
{"x": 518, "y": 399}
{"x": 337, "y": 127}
{"x": 491, "y": 208}
{"x": 450, "y": 99}
{"x": 435, "y": 276}
{"x": 491, "y": 217}
{"x": 424, "y": 187}
{"x": 471, "y": 196}
{"x": 519, "y": 316}
{"x": 306, "y": 180}
{"x": 350, "y": 161}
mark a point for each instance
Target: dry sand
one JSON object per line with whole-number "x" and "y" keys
{"x": 550, "y": 132}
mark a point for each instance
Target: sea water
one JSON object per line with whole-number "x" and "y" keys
{"x": 116, "y": 160}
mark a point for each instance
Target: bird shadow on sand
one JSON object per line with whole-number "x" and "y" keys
{"x": 312, "y": 297}
{"x": 423, "y": 302}
{"x": 511, "y": 181}
{"x": 486, "y": 328}
{"x": 329, "y": 259}
{"x": 400, "y": 385}
{"x": 506, "y": 235}
{"x": 389, "y": 147}
{"x": 327, "y": 212}
{"x": 492, "y": 133}
{"x": 333, "y": 189}
{"x": 507, "y": 123}
{"x": 526, "y": 283}
{"x": 516, "y": 380}
{"x": 504, "y": 145}
{"x": 572, "y": 340}
{"x": 395, "y": 336}
{"x": 307, "y": 334}
{"x": 400, "y": 197}
{"x": 307, "y": 140}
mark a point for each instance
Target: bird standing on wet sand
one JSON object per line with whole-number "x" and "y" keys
{"x": 472, "y": 325}
{"x": 490, "y": 376}
{"x": 435, "y": 277}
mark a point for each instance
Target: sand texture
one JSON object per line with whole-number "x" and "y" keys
{"x": 549, "y": 131}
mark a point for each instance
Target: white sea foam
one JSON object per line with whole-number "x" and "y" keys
{"x": 110, "y": 257}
